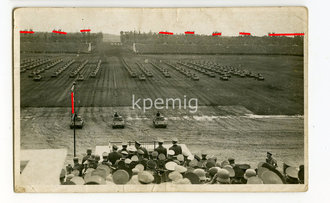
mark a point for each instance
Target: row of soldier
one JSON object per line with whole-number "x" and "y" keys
{"x": 136, "y": 165}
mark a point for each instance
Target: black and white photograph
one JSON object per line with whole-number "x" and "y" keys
{"x": 160, "y": 99}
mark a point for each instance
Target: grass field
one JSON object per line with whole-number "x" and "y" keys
{"x": 280, "y": 94}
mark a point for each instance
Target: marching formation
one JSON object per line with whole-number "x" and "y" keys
{"x": 136, "y": 165}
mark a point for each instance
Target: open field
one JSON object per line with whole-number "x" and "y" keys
{"x": 240, "y": 135}
{"x": 224, "y": 125}
{"x": 281, "y": 93}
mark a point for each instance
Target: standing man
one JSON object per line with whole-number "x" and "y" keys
{"x": 114, "y": 155}
{"x": 138, "y": 146}
{"x": 161, "y": 149}
{"x": 105, "y": 159}
{"x": 175, "y": 147}
{"x": 85, "y": 158}
{"x": 76, "y": 165}
{"x": 270, "y": 160}
{"x": 124, "y": 147}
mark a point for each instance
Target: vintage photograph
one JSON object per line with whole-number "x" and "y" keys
{"x": 160, "y": 99}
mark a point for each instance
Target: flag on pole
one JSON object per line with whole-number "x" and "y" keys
{"x": 72, "y": 99}
{"x": 72, "y": 102}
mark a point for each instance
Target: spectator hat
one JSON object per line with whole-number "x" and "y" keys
{"x": 120, "y": 177}
{"x": 191, "y": 157}
{"x": 292, "y": 172}
{"x": 161, "y": 157}
{"x": 94, "y": 180}
{"x": 139, "y": 151}
{"x": 128, "y": 161}
{"x": 104, "y": 167}
{"x": 193, "y": 163}
{"x": 134, "y": 158}
{"x": 145, "y": 177}
{"x": 100, "y": 172}
{"x": 244, "y": 167}
{"x": 140, "y": 167}
{"x": 171, "y": 152}
{"x": 224, "y": 163}
{"x": 154, "y": 154}
{"x": 170, "y": 165}
{"x": 175, "y": 175}
{"x": 135, "y": 171}
{"x": 212, "y": 171}
{"x": 78, "y": 180}
{"x": 180, "y": 169}
{"x": 223, "y": 176}
{"x": 200, "y": 173}
{"x": 210, "y": 163}
{"x": 183, "y": 181}
{"x": 269, "y": 177}
{"x": 131, "y": 149}
{"x": 230, "y": 170}
{"x": 249, "y": 173}
{"x": 180, "y": 157}
{"x": 261, "y": 170}
{"x": 137, "y": 142}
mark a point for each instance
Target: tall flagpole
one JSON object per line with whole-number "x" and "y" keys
{"x": 74, "y": 119}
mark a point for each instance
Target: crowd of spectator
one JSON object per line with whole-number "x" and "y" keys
{"x": 155, "y": 43}
{"x": 156, "y": 38}
{"x": 48, "y": 42}
{"x": 130, "y": 164}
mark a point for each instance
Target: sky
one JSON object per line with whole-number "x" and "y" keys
{"x": 229, "y": 21}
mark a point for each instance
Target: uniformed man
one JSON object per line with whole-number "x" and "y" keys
{"x": 89, "y": 163}
{"x": 203, "y": 160}
{"x": 175, "y": 147}
{"x": 231, "y": 161}
{"x": 138, "y": 146}
{"x": 116, "y": 115}
{"x": 270, "y": 160}
{"x": 96, "y": 161}
{"x": 105, "y": 159}
{"x": 114, "y": 155}
{"x": 161, "y": 149}
{"x": 124, "y": 147}
{"x": 158, "y": 114}
{"x": 76, "y": 165}
{"x": 89, "y": 153}
{"x": 131, "y": 151}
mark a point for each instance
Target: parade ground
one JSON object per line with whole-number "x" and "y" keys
{"x": 241, "y": 117}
